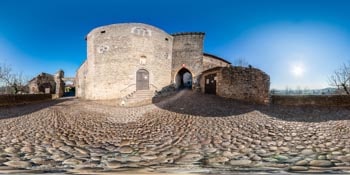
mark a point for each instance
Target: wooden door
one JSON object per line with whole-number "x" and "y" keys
{"x": 210, "y": 84}
{"x": 142, "y": 80}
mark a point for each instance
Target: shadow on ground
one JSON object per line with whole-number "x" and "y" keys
{"x": 20, "y": 110}
{"x": 205, "y": 105}
{"x": 192, "y": 103}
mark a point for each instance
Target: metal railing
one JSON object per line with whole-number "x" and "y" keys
{"x": 130, "y": 85}
{"x": 153, "y": 86}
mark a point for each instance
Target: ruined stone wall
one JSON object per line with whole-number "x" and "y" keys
{"x": 188, "y": 53}
{"x": 249, "y": 84}
{"x": 116, "y": 52}
{"x": 38, "y": 84}
{"x": 59, "y": 83}
{"x": 210, "y": 61}
{"x": 241, "y": 83}
{"x": 311, "y": 100}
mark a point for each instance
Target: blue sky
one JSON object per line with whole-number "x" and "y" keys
{"x": 298, "y": 43}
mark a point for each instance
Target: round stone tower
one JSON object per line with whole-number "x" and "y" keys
{"x": 123, "y": 58}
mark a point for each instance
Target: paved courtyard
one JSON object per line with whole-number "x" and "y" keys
{"x": 188, "y": 132}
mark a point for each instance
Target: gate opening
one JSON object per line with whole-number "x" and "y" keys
{"x": 183, "y": 79}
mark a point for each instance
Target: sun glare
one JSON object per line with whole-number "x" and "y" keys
{"x": 298, "y": 70}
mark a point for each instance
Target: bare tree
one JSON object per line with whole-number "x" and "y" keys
{"x": 341, "y": 78}
{"x": 287, "y": 91}
{"x": 15, "y": 81}
{"x": 298, "y": 90}
{"x": 241, "y": 61}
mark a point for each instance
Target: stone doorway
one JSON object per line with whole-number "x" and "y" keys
{"x": 210, "y": 84}
{"x": 183, "y": 79}
{"x": 142, "y": 80}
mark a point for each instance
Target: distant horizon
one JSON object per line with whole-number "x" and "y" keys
{"x": 296, "y": 43}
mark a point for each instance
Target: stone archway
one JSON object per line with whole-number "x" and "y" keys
{"x": 183, "y": 79}
{"x": 142, "y": 79}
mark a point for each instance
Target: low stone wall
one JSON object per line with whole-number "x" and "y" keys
{"x": 10, "y": 99}
{"x": 311, "y": 100}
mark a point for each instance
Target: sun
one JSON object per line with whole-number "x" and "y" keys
{"x": 298, "y": 70}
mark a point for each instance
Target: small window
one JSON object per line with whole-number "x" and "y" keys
{"x": 166, "y": 39}
{"x": 103, "y": 31}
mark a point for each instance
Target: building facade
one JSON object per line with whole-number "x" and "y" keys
{"x": 124, "y": 58}
{"x": 45, "y": 83}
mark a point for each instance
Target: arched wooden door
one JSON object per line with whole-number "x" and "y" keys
{"x": 142, "y": 80}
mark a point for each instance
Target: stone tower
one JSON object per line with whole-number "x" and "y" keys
{"x": 59, "y": 83}
{"x": 188, "y": 56}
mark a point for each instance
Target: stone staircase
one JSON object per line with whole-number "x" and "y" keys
{"x": 140, "y": 97}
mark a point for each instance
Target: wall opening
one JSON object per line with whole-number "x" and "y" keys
{"x": 210, "y": 84}
{"x": 142, "y": 79}
{"x": 183, "y": 79}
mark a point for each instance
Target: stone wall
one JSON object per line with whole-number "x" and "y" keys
{"x": 116, "y": 52}
{"x": 42, "y": 82}
{"x": 80, "y": 80}
{"x": 59, "y": 83}
{"x": 311, "y": 100}
{"x": 241, "y": 83}
{"x": 188, "y": 53}
{"x": 211, "y": 61}
{"x": 17, "y": 99}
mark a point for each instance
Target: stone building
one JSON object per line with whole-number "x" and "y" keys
{"x": 45, "y": 83}
{"x": 132, "y": 57}
{"x": 241, "y": 83}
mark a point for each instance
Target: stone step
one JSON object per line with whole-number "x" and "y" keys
{"x": 138, "y": 99}
{"x": 140, "y": 96}
{"x": 143, "y": 98}
{"x": 143, "y": 93}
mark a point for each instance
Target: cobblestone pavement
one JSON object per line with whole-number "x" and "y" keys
{"x": 188, "y": 132}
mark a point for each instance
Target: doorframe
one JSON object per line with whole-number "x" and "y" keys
{"x": 148, "y": 78}
{"x": 205, "y": 83}
{"x": 177, "y": 72}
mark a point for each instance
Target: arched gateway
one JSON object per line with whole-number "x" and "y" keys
{"x": 183, "y": 79}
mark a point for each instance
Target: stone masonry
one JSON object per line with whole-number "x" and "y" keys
{"x": 241, "y": 83}
{"x": 59, "y": 83}
{"x": 125, "y": 58}
{"x": 43, "y": 83}
{"x": 116, "y": 53}
{"x": 188, "y": 53}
